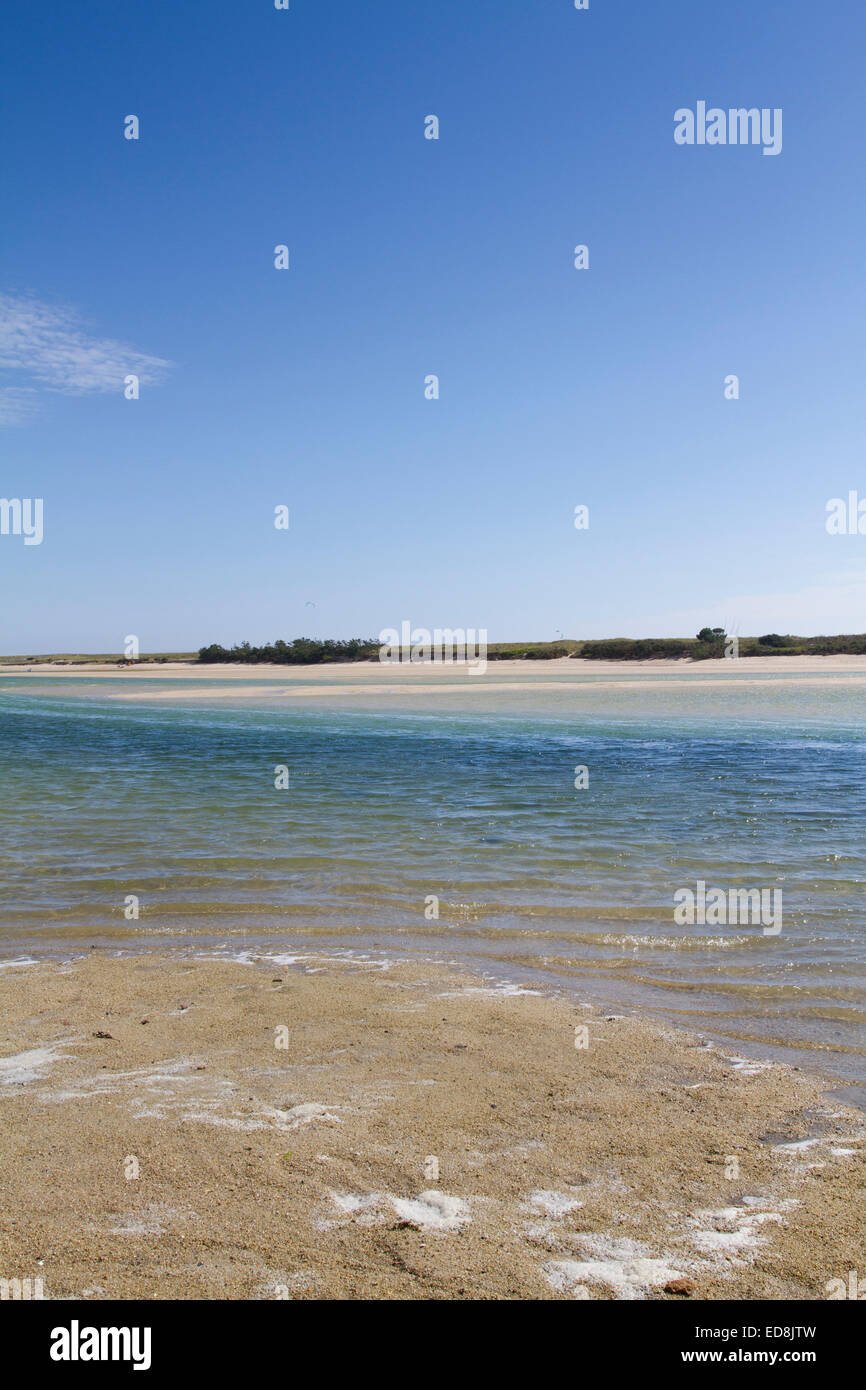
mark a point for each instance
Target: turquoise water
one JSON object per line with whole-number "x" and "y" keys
{"x": 165, "y": 790}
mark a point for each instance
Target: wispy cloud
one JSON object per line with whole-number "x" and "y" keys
{"x": 834, "y": 603}
{"x": 53, "y": 350}
{"x": 17, "y": 404}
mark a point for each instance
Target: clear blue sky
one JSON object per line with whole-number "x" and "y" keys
{"x": 411, "y": 257}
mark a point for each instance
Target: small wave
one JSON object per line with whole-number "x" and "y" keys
{"x": 675, "y": 943}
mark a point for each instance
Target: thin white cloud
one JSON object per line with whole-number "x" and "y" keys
{"x": 17, "y": 404}
{"x": 836, "y": 602}
{"x": 54, "y": 351}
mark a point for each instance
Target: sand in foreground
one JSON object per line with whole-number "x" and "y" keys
{"x": 420, "y": 1135}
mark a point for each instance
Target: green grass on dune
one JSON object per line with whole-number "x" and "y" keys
{"x": 93, "y": 658}
{"x": 603, "y": 649}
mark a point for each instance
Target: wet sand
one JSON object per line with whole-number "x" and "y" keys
{"x": 379, "y": 671}
{"x": 412, "y": 1133}
{"x": 374, "y": 679}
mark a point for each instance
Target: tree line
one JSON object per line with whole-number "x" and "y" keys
{"x": 301, "y": 651}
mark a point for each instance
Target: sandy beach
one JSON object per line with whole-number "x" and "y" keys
{"x": 186, "y": 682}
{"x": 375, "y": 672}
{"x": 179, "y": 1127}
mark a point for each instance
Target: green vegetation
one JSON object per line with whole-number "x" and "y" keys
{"x": 710, "y": 642}
{"x": 308, "y": 651}
{"x": 851, "y": 645}
{"x": 532, "y": 651}
{"x": 301, "y": 651}
{"x": 93, "y": 659}
{"x": 639, "y": 648}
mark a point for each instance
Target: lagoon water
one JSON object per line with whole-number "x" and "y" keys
{"x": 165, "y": 789}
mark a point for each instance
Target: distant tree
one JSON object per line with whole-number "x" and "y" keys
{"x": 773, "y": 639}
{"x": 214, "y": 653}
{"x": 711, "y": 634}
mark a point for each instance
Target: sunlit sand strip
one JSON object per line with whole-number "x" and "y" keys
{"x": 469, "y": 686}
{"x": 567, "y": 670}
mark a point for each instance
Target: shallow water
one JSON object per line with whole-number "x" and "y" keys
{"x": 165, "y": 790}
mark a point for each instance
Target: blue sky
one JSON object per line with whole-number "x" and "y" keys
{"x": 409, "y": 257}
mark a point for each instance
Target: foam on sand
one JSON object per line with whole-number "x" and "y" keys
{"x": 623, "y": 1266}
{"x": 733, "y": 1230}
{"x": 430, "y": 1211}
{"x": 29, "y": 1066}
{"x": 433, "y": 1211}
{"x": 308, "y": 1112}
{"x": 749, "y": 1066}
{"x": 502, "y": 989}
{"x": 553, "y": 1203}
